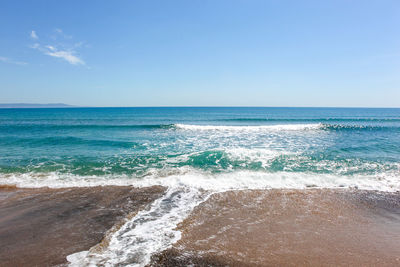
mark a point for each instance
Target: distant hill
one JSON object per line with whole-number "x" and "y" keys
{"x": 29, "y": 105}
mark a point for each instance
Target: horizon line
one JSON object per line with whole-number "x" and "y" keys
{"x": 40, "y": 106}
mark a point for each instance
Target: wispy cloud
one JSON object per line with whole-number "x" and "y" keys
{"x": 62, "y": 50}
{"x": 11, "y": 61}
{"x": 34, "y": 35}
{"x": 66, "y": 55}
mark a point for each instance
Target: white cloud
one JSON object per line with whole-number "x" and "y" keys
{"x": 65, "y": 51}
{"x": 11, "y": 61}
{"x": 66, "y": 55}
{"x": 34, "y": 35}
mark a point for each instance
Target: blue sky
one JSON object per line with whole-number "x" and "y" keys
{"x": 201, "y": 53}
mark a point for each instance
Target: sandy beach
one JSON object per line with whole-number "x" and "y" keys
{"x": 313, "y": 227}
{"x": 40, "y": 227}
{"x": 290, "y": 228}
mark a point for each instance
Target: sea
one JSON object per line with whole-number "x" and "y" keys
{"x": 195, "y": 152}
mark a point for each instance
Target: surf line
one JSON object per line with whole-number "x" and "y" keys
{"x": 149, "y": 232}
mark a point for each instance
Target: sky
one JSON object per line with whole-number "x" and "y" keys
{"x": 333, "y": 53}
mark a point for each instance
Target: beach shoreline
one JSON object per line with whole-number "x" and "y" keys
{"x": 284, "y": 227}
{"x": 42, "y": 226}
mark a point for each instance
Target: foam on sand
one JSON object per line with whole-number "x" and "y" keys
{"x": 149, "y": 232}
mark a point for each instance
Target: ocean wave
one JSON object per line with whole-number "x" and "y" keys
{"x": 282, "y": 127}
{"x": 226, "y": 160}
{"x": 333, "y": 119}
{"x": 319, "y": 124}
{"x": 240, "y": 179}
{"x": 349, "y": 127}
{"x": 285, "y": 127}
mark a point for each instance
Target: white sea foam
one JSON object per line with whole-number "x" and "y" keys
{"x": 189, "y": 177}
{"x": 283, "y": 127}
{"x": 262, "y": 155}
{"x": 149, "y": 232}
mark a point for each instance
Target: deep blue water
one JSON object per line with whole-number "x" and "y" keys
{"x": 135, "y": 143}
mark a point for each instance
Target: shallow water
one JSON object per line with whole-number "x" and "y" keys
{"x": 195, "y": 152}
{"x": 270, "y": 147}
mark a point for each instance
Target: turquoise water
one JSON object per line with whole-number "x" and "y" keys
{"x": 267, "y": 146}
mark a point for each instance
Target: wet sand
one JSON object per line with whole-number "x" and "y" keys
{"x": 290, "y": 228}
{"x": 40, "y": 227}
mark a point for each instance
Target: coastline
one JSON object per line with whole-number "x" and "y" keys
{"x": 42, "y": 226}
{"x": 309, "y": 227}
